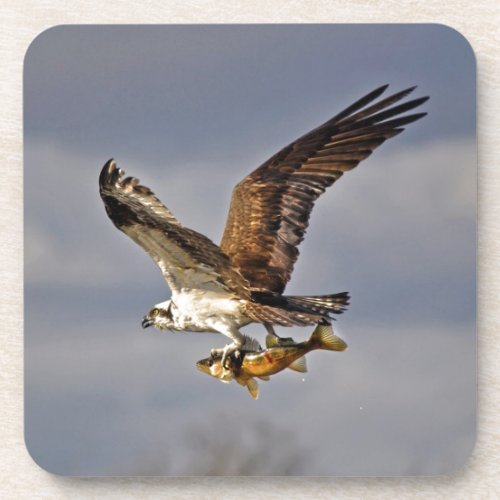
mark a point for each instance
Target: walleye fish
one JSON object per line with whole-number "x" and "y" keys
{"x": 253, "y": 362}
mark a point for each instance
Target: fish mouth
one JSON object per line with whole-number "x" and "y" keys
{"x": 146, "y": 322}
{"x": 203, "y": 367}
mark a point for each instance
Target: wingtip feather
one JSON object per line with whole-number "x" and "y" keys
{"x": 107, "y": 173}
{"x": 380, "y": 90}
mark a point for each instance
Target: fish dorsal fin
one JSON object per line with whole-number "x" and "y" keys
{"x": 253, "y": 388}
{"x": 272, "y": 341}
{"x": 299, "y": 365}
{"x": 250, "y": 344}
{"x": 265, "y": 377}
{"x": 324, "y": 338}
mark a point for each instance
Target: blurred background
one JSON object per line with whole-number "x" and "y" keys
{"x": 191, "y": 110}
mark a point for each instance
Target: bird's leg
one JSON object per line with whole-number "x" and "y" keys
{"x": 281, "y": 340}
{"x": 270, "y": 330}
{"x": 230, "y": 349}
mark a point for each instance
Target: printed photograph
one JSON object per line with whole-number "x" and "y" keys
{"x": 250, "y": 250}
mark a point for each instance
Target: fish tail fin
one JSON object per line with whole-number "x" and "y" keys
{"x": 323, "y": 338}
{"x": 253, "y": 388}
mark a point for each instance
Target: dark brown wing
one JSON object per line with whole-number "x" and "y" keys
{"x": 186, "y": 258}
{"x": 270, "y": 208}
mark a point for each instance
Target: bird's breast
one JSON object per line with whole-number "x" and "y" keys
{"x": 196, "y": 310}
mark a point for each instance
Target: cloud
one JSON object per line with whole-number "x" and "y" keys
{"x": 111, "y": 396}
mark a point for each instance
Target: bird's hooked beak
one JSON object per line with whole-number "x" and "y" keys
{"x": 146, "y": 322}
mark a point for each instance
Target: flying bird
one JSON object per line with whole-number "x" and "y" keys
{"x": 221, "y": 288}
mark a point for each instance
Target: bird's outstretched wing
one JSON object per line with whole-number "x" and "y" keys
{"x": 186, "y": 258}
{"x": 270, "y": 208}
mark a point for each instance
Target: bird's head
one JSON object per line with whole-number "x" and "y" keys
{"x": 160, "y": 316}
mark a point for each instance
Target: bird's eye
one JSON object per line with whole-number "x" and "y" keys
{"x": 155, "y": 312}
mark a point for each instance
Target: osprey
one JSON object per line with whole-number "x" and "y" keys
{"x": 221, "y": 288}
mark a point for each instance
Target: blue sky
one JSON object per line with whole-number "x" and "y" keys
{"x": 191, "y": 110}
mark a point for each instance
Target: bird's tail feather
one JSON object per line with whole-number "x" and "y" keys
{"x": 288, "y": 310}
{"x": 321, "y": 304}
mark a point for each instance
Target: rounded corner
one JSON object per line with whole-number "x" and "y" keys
{"x": 457, "y": 34}
{"x": 36, "y": 460}
{"x": 459, "y": 469}
{"x": 35, "y": 41}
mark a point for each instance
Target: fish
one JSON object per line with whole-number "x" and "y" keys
{"x": 254, "y": 362}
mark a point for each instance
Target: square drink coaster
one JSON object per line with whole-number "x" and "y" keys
{"x": 224, "y": 352}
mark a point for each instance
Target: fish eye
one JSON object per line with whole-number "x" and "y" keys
{"x": 155, "y": 312}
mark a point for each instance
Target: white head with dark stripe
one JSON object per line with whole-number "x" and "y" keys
{"x": 160, "y": 316}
